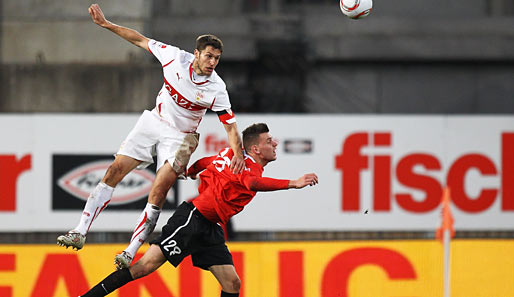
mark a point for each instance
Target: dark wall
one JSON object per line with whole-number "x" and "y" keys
{"x": 300, "y": 56}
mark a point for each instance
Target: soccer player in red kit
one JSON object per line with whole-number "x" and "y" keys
{"x": 194, "y": 230}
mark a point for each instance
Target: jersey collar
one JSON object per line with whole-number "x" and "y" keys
{"x": 191, "y": 76}
{"x": 247, "y": 156}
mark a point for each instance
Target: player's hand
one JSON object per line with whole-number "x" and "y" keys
{"x": 97, "y": 15}
{"x": 191, "y": 175}
{"x": 237, "y": 164}
{"x": 309, "y": 179}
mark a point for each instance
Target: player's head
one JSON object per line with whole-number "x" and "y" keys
{"x": 207, "y": 54}
{"x": 203, "y": 41}
{"x": 259, "y": 143}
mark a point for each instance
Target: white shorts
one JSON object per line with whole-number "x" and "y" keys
{"x": 154, "y": 136}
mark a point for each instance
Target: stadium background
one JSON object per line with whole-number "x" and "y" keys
{"x": 444, "y": 59}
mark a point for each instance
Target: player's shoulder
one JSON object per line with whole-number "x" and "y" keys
{"x": 226, "y": 152}
{"x": 217, "y": 81}
{"x": 186, "y": 58}
{"x": 160, "y": 45}
{"x": 164, "y": 47}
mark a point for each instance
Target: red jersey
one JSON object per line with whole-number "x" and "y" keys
{"x": 224, "y": 194}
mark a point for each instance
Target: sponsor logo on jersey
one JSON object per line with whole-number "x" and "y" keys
{"x": 199, "y": 95}
{"x": 181, "y": 100}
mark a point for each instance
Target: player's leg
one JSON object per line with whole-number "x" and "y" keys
{"x": 173, "y": 153}
{"x": 151, "y": 260}
{"x": 121, "y": 166}
{"x": 98, "y": 200}
{"x": 228, "y": 279}
{"x": 164, "y": 180}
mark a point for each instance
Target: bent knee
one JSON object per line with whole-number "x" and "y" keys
{"x": 114, "y": 173}
{"x": 139, "y": 270}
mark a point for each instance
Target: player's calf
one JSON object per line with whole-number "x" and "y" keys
{"x": 144, "y": 227}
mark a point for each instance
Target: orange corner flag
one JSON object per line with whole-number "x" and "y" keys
{"x": 447, "y": 218}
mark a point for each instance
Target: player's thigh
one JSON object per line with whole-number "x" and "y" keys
{"x": 164, "y": 179}
{"x": 176, "y": 148}
{"x": 227, "y": 277}
{"x": 151, "y": 260}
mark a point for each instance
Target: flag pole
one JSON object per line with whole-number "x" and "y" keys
{"x": 445, "y": 233}
{"x": 446, "y": 263}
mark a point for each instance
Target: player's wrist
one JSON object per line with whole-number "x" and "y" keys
{"x": 108, "y": 25}
{"x": 238, "y": 154}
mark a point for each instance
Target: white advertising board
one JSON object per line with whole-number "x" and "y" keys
{"x": 379, "y": 173}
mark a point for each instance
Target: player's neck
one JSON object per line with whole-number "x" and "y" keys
{"x": 196, "y": 68}
{"x": 259, "y": 160}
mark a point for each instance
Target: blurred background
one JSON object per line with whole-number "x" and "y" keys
{"x": 427, "y": 64}
{"x": 281, "y": 56}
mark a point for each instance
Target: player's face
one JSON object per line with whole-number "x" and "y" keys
{"x": 268, "y": 147}
{"x": 207, "y": 60}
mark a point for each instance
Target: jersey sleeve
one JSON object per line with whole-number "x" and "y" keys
{"x": 221, "y": 101}
{"x": 200, "y": 165}
{"x": 226, "y": 116}
{"x": 165, "y": 53}
{"x": 252, "y": 179}
{"x": 261, "y": 184}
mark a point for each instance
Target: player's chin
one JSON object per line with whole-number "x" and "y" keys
{"x": 272, "y": 158}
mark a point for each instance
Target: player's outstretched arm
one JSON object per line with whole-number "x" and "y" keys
{"x": 128, "y": 34}
{"x": 264, "y": 184}
{"x": 309, "y": 179}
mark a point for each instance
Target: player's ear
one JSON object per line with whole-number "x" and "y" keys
{"x": 255, "y": 149}
{"x": 197, "y": 53}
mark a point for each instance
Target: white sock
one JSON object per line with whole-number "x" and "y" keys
{"x": 144, "y": 227}
{"x": 96, "y": 202}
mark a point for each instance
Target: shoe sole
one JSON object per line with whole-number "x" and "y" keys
{"x": 121, "y": 262}
{"x": 65, "y": 243}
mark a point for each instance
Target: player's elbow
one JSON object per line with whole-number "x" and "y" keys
{"x": 251, "y": 186}
{"x": 141, "y": 42}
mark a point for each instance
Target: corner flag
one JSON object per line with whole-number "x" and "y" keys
{"x": 447, "y": 218}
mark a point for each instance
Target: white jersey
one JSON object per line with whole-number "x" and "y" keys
{"x": 185, "y": 96}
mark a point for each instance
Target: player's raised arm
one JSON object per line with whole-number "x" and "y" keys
{"x": 128, "y": 34}
{"x": 237, "y": 163}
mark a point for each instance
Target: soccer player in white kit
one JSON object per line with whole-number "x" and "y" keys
{"x": 191, "y": 86}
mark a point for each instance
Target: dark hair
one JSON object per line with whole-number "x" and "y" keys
{"x": 203, "y": 41}
{"x": 251, "y": 134}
